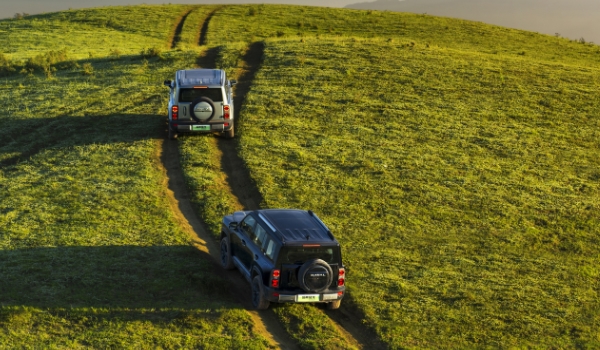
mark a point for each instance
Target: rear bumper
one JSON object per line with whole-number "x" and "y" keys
{"x": 300, "y": 296}
{"x": 192, "y": 126}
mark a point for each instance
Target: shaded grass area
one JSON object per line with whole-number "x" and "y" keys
{"x": 118, "y": 296}
{"x": 463, "y": 187}
{"x": 90, "y": 254}
{"x": 251, "y": 23}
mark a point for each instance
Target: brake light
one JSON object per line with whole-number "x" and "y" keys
{"x": 341, "y": 277}
{"x": 226, "y": 113}
{"x": 275, "y": 274}
{"x": 175, "y": 112}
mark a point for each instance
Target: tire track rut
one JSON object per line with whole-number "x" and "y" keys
{"x": 204, "y": 28}
{"x": 179, "y": 28}
{"x": 168, "y": 160}
{"x": 348, "y": 319}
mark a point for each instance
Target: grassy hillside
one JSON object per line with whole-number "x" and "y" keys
{"x": 258, "y": 22}
{"x": 463, "y": 188}
{"x": 456, "y": 162}
{"x": 90, "y": 254}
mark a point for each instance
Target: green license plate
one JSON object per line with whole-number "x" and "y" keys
{"x": 307, "y": 298}
{"x": 200, "y": 127}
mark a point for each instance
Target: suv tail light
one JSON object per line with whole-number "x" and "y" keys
{"x": 226, "y": 113}
{"x": 175, "y": 112}
{"x": 341, "y": 277}
{"x": 275, "y": 274}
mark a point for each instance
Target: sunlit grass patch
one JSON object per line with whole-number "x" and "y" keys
{"x": 462, "y": 186}
{"x": 255, "y": 22}
{"x": 90, "y": 252}
{"x": 90, "y": 33}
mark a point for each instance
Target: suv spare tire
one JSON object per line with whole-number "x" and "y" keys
{"x": 202, "y": 109}
{"x": 315, "y": 276}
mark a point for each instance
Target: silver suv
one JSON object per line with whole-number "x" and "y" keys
{"x": 201, "y": 100}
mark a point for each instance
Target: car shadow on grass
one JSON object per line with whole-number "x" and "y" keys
{"x": 24, "y": 138}
{"x": 115, "y": 277}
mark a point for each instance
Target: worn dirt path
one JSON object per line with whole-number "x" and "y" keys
{"x": 167, "y": 159}
{"x": 238, "y": 182}
{"x": 176, "y": 37}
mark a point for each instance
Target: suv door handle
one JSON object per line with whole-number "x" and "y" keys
{"x": 243, "y": 243}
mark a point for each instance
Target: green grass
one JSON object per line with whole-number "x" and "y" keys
{"x": 90, "y": 253}
{"x": 462, "y": 187}
{"x": 456, "y": 163}
{"x": 99, "y": 32}
{"x": 192, "y": 26}
{"x": 259, "y": 22}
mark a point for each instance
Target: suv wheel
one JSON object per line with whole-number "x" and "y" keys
{"x": 226, "y": 260}
{"x": 230, "y": 133}
{"x": 172, "y": 133}
{"x": 258, "y": 298}
{"x": 334, "y": 305}
{"x": 315, "y": 276}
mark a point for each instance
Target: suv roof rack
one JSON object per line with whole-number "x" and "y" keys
{"x": 193, "y": 77}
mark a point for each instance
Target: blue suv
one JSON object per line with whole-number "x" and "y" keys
{"x": 287, "y": 255}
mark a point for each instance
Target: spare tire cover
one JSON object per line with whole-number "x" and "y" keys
{"x": 202, "y": 109}
{"x": 315, "y": 276}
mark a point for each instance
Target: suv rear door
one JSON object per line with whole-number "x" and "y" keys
{"x": 291, "y": 259}
{"x": 188, "y": 95}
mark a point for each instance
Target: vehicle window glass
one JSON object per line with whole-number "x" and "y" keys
{"x": 190, "y": 95}
{"x": 299, "y": 255}
{"x": 265, "y": 243}
{"x": 248, "y": 226}
{"x": 260, "y": 235}
{"x": 270, "y": 249}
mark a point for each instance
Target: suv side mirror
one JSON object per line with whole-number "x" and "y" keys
{"x": 233, "y": 225}
{"x": 167, "y": 83}
{"x": 233, "y": 82}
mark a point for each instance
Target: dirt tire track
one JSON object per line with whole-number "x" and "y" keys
{"x": 176, "y": 37}
{"x": 348, "y": 319}
{"x": 238, "y": 176}
{"x": 167, "y": 160}
{"x": 204, "y": 27}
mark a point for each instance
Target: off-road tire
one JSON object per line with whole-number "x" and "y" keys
{"x": 315, "y": 284}
{"x": 334, "y": 305}
{"x": 172, "y": 134}
{"x": 230, "y": 133}
{"x": 226, "y": 260}
{"x": 258, "y": 298}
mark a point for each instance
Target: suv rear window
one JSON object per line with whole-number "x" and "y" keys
{"x": 299, "y": 255}
{"x": 189, "y": 95}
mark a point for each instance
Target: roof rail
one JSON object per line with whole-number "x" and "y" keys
{"x": 269, "y": 224}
